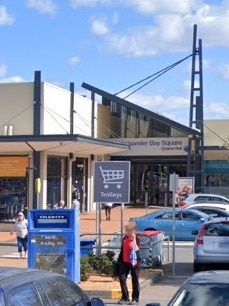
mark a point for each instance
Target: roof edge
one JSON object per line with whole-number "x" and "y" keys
{"x": 156, "y": 116}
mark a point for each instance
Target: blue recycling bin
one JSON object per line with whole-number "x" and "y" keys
{"x": 86, "y": 246}
{"x": 54, "y": 241}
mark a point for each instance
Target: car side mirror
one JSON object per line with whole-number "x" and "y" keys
{"x": 194, "y": 232}
{"x": 96, "y": 302}
{"x": 202, "y": 220}
{"x": 153, "y": 304}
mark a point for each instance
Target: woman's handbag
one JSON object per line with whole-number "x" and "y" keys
{"x": 133, "y": 257}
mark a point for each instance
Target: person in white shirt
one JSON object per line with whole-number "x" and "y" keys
{"x": 108, "y": 207}
{"x": 75, "y": 203}
{"x": 21, "y": 230}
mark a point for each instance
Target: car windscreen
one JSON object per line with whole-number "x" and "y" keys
{"x": 203, "y": 295}
{"x": 217, "y": 229}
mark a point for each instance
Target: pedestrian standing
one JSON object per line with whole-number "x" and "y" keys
{"x": 108, "y": 207}
{"x": 75, "y": 203}
{"x": 129, "y": 262}
{"x": 21, "y": 230}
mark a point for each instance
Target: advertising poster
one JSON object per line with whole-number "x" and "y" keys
{"x": 186, "y": 186}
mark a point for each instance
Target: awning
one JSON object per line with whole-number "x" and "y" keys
{"x": 77, "y": 144}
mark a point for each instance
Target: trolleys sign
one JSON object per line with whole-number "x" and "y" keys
{"x": 112, "y": 182}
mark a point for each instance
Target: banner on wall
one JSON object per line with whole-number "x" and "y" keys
{"x": 186, "y": 186}
{"x": 13, "y": 166}
{"x": 155, "y": 146}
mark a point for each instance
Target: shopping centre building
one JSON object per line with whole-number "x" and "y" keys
{"x": 55, "y": 134}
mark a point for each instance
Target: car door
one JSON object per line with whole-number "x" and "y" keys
{"x": 190, "y": 221}
{"x": 164, "y": 222}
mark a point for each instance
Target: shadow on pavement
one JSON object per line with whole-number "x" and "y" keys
{"x": 181, "y": 269}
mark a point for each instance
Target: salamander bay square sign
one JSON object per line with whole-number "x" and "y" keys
{"x": 112, "y": 182}
{"x": 176, "y": 146}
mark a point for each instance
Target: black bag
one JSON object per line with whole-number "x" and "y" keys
{"x": 116, "y": 268}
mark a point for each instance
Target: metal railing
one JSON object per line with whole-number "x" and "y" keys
{"x": 114, "y": 243}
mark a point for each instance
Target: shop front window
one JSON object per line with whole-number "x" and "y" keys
{"x": 13, "y": 186}
{"x": 56, "y": 180}
{"x": 150, "y": 182}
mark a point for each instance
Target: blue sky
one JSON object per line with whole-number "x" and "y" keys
{"x": 113, "y": 43}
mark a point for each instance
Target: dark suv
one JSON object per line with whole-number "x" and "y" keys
{"x": 30, "y": 287}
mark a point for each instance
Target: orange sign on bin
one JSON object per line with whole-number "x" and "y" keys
{"x": 13, "y": 166}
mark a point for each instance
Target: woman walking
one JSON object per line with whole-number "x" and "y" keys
{"x": 129, "y": 262}
{"x": 21, "y": 230}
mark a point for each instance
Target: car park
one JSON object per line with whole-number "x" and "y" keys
{"x": 26, "y": 287}
{"x": 212, "y": 244}
{"x": 209, "y": 288}
{"x": 214, "y": 211}
{"x": 162, "y": 220}
{"x": 202, "y": 197}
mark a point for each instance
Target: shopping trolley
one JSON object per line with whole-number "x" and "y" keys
{"x": 115, "y": 177}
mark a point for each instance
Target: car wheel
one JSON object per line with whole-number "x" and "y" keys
{"x": 197, "y": 267}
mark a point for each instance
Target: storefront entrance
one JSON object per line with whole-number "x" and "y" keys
{"x": 56, "y": 180}
{"x": 80, "y": 182}
{"x": 150, "y": 181}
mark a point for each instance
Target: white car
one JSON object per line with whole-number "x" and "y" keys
{"x": 213, "y": 205}
{"x": 203, "y": 198}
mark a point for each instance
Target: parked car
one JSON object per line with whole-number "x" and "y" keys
{"x": 212, "y": 243}
{"x": 202, "y": 197}
{"x": 213, "y": 210}
{"x": 210, "y": 288}
{"x": 22, "y": 287}
{"x": 187, "y": 220}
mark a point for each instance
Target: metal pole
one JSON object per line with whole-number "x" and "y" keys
{"x": 122, "y": 219}
{"x": 174, "y": 234}
{"x": 97, "y": 219}
{"x": 146, "y": 201}
{"x": 100, "y": 232}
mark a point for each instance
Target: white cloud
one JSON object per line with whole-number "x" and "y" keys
{"x": 115, "y": 18}
{"x": 171, "y": 27}
{"x": 99, "y": 27}
{"x": 43, "y": 6}
{"x": 168, "y": 6}
{"x": 224, "y": 71}
{"x": 74, "y": 60}
{"x": 87, "y": 3}
{"x": 217, "y": 110}
{"x": 5, "y": 17}
{"x": 3, "y": 70}
{"x": 158, "y": 102}
{"x": 13, "y": 79}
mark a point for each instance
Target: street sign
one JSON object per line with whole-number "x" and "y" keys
{"x": 112, "y": 182}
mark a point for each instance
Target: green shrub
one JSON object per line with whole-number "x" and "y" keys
{"x": 102, "y": 264}
{"x": 85, "y": 268}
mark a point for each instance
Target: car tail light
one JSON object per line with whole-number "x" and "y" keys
{"x": 182, "y": 204}
{"x": 200, "y": 236}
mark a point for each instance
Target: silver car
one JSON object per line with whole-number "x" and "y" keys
{"x": 212, "y": 243}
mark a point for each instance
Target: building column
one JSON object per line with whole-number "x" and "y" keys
{"x": 43, "y": 196}
{"x": 69, "y": 183}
